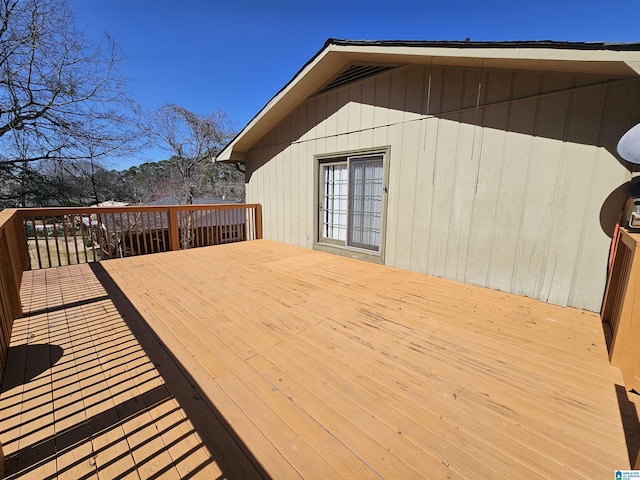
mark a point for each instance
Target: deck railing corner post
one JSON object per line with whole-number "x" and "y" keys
{"x": 258, "y": 221}
{"x": 174, "y": 222}
{"x": 22, "y": 240}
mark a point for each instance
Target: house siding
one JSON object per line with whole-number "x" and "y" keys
{"x": 507, "y": 196}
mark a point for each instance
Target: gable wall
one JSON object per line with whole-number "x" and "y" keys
{"x": 508, "y": 196}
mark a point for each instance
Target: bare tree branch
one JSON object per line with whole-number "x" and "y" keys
{"x": 60, "y": 100}
{"x": 193, "y": 141}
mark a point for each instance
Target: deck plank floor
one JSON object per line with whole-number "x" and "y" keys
{"x": 258, "y": 359}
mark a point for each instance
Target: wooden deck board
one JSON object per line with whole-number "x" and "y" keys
{"x": 257, "y": 359}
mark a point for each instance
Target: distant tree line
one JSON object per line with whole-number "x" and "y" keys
{"x": 83, "y": 184}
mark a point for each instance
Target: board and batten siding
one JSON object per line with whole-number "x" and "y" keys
{"x": 496, "y": 178}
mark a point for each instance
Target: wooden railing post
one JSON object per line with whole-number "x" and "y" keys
{"x": 174, "y": 223}
{"x": 14, "y": 255}
{"x": 21, "y": 240}
{"x": 12, "y": 261}
{"x": 258, "y": 214}
{"x": 620, "y": 308}
{"x": 11, "y": 289}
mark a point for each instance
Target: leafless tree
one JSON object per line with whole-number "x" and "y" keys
{"x": 60, "y": 99}
{"x": 192, "y": 140}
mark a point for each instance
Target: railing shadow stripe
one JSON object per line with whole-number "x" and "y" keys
{"x": 57, "y": 386}
{"x": 63, "y": 306}
{"x": 149, "y": 458}
{"x": 70, "y": 437}
{"x": 46, "y": 414}
{"x": 230, "y": 452}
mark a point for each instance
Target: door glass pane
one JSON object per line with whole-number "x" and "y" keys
{"x": 365, "y": 200}
{"x": 333, "y": 212}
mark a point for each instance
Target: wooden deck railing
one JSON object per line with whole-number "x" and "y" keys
{"x": 621, "y": 308}
{"x": 64, "y": 236}
{"x": 13, "y": 261}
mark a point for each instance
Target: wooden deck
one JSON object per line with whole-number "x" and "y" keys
{"x": 258, "y": 360}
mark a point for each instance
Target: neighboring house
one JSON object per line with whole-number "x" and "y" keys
{"x": 492, "y": 163}
{"x": 111, "y": 203}
{"x": 173, "y": 200}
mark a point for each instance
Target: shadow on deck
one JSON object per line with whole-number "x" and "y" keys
{"x": 99, "y": 397}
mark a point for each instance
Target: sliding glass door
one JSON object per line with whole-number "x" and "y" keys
{"x": 351, "y": 201}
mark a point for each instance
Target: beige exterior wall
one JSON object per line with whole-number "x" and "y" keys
{"x": 516, "y": 196}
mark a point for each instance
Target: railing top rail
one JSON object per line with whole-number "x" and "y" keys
{"x": 6, "y": 215}
{"x": 132, "y": 208}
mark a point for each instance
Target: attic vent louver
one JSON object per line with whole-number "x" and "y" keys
{"x": 353, "y": 73}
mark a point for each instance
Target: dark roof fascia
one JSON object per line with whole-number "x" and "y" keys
{"x": 558, "y": 45}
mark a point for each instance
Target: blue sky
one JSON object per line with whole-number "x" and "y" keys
{"x": 235, "y": 55}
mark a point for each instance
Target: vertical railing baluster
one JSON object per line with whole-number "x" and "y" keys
{"x": 100, "y": 248}
{"x": 188, "y": 225}
{"x": 157, "y": 220}
{"x": 254, "y": 219}
{"x": 165, "y": 247}
{"x": 35, "y": 236}
{"x": 129, "y": 215}
{"x": 196, "y": 226}
{"x": 55, "y": 240}
{"x": 191, "y": 237}
{"x": 144, "y": 231}
{"x": 192, "y": 221}
{"x": 186, "y": 218}
{"x": 233, "y": 212}
{"x": 245, "y": 222}
{"x": 114, "y": 237}
{"x": 196, "y": 232}
{"x": 209, "y": 227}
{"x": 242, "y": 215}
{"x": 223, "y": 238}
{"x": 123, "y": 241}
{"x": 66, "y": 240}
{"x": 108, "y": 234}
{"x": 225, "y": 214}
{"x": 75, "y": 236}
{"x": 218, "y": 240}
{"x": 84, "y": 233}
{"x": 239, "y": 226}
{"x": 46, "y": 240}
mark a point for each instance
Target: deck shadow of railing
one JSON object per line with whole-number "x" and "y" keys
{"x": 50, "y": 431}
{"x": 630, "y": 423}
{"x": 76, "y": 411}
{"x": 32, "y": 456}
{"x": 227, "y": 449}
